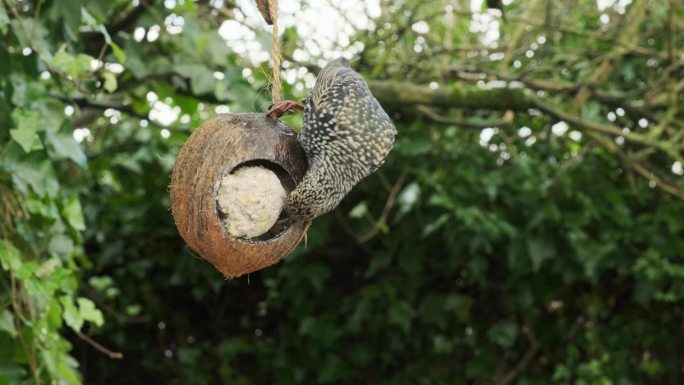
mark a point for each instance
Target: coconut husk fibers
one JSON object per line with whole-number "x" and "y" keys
{"x": 216, "y": 148}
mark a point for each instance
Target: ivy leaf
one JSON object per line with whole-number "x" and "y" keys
{"x": 47, "y": 267}
{"x": 69, "y": 373}
{"x": 11, "y": 372}
{"x": 74, "y": 214}
{"x": 110, "y": 83}
{"x": 40, "y": 176}
{"x": 441, "y": 345}
{"x": 7, "y": 323}
{"x": 333, "y": 370}
{"x": 135, "y": 64}
{"x": 71, "y": 314}
{"x": 7, "y": 349}
{"x": 118, "y": 53}
{"x": 10, "y": 257}
{"x": 201, "y": 78}
{"x": 133, "y": 310}
{"x": 26, "y": 134}
{"x": 359, "y": 210}
{"x": 4, "y": 19}
{"x": 101, "y": 283}
{"x": 435, "y": 225}
{"x": 540, "y": 249}
{"x": 71, "y": 12}
{"x": 408, "y": 197}
{"x": 74, "y": 66}
{"x": 503, "y": 334}
{"x": 66, "y": 147}
{"x": 401, "y": 314}
{"x": 378, "y": 262}
{"x": 89, "y": 312}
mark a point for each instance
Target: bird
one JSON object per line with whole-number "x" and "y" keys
{"x": 265, "y": 9}
{"x": 346, "y": 136}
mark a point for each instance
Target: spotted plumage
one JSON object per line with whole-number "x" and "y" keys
{"x": 346, "y": 136}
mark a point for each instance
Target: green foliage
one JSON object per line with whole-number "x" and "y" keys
{"x": 529, "y": 258}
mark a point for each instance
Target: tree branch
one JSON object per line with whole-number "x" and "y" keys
{"x": 399, "y": 94}
{"x": 429, "y": 113}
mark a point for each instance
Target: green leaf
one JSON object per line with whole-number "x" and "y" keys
{"x": 459, "y": 304}
{"x": 89, "y": 312}
{"x": 47, "y": 267}
{"x": 201, "y": 77}
{"x": 28, "y": 124}
{"x": 53, "y": 316}
{"x": 66, "y": 147}
{"x": 359, "y": 211}
{"x": 378, "y": 262}
{"x": 503, "y": 334}
{"x": 101, "y": 283}
{"x": 441, "y": 345}
{"x": 110, "y": 83}
{"x": 71, "y": 12}
{"x": 415, "y": 147}
{"x": 7, "y": 323}
{"x": 74, "y": 66}
{"x": 135, "y": 64}
{"x": 401, "y": 314}
{"x": 40, "y": 175}
{"x": 68, "y": 373}
{"x": 71, "y": 314}
{"x": 26, "y": 270}
{"x": 10, "y": 372}
{"x": 118, "y": 53}
{"x": 436, "y": 224}
{"x": 10, "y": 257}
{"x": 409, "y": 197}
{"x": 133, "y": 310}
{"x": 74, "y": 214}
{"x": 540, "y": 249}
{"x": 4, "y": 18}
{"x": 62, "y": 246}
{"x": 333, "y": 370}
{"x": 7, "y": 347}
{"x": 32, "y": 32}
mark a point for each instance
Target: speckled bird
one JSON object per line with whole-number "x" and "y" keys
{"x": 346, "y": 136}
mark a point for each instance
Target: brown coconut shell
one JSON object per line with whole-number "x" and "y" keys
{"x": 217, "y": 148}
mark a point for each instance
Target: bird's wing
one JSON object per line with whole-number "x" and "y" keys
{"x": 321, "y": 108}
{"x": 365, "y": 122}
{"x": 342, "y": 100}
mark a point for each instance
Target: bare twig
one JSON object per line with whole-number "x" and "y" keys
{"x": 102, "y": 304}
{"x": 389, "y": 204}
{"x": 111, "y": 354}
{"x": 532, "y": 351}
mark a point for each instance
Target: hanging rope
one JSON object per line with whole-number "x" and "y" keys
{"x": 276, "y": 82}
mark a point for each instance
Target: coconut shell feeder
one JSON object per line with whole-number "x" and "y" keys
{"x": 227, "y": 189}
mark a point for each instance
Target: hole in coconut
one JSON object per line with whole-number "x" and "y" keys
{"x": 250, "y": 200}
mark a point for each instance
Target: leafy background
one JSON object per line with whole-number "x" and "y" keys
{"x": 528, "y": 227}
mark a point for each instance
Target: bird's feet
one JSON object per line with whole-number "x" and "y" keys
{"x": 282, "y": 107}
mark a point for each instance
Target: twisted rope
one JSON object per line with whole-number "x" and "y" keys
{"x": 276, "y": 82}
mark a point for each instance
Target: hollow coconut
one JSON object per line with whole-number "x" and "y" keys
{"x": 227, "y": 189}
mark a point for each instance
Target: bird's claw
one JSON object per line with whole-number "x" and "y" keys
{"x": 282, "y": 107}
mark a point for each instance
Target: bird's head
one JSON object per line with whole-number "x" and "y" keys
{"x": 339, "y": 62}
